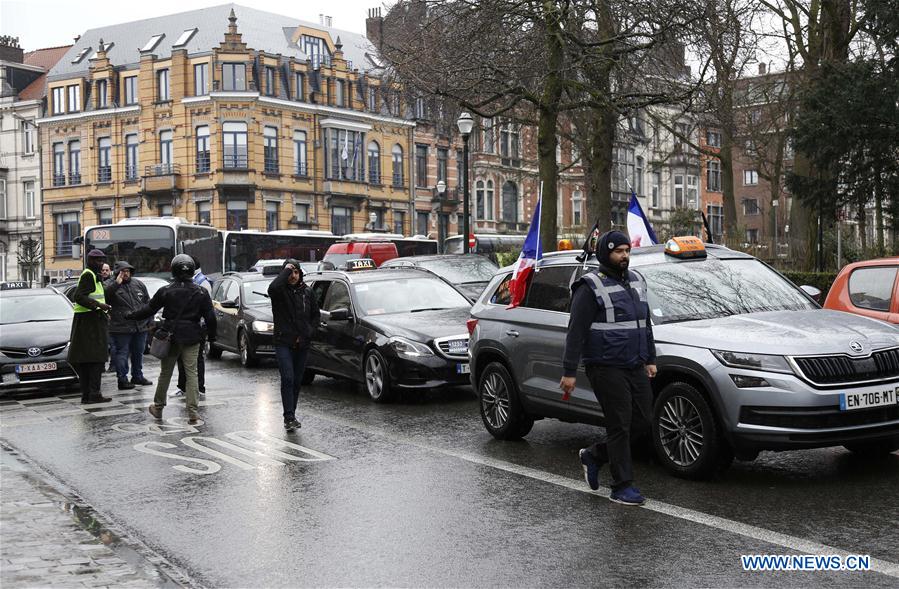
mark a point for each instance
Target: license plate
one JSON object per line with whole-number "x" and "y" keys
{"x": 265, "y": 348}
{"x": 463, "y": 369}
{"x": 39, "y": 367}
{"x": 852, "y": 401}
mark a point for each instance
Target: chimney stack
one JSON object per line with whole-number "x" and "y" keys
{"x": 374, "y": 26}
{"x": 762, "y": 68}
{"x": 10, "y": 50}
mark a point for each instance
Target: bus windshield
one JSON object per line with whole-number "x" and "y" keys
{"x": 148, "y": 248}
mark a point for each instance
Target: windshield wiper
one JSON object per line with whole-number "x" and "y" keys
{"x": 428, "y": 309}
{"x": 262, "y": 294}
{"x": 32, "y": 321}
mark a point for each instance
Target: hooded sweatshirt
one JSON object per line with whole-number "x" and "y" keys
{"x": 125, "y": 298}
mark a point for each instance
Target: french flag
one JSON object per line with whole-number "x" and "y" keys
{"x": 638, "y": 227}
{"x": 531, "y": 252}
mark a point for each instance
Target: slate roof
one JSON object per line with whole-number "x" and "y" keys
{"x": 45, "y": 58}
{"x": 260, "y": 30}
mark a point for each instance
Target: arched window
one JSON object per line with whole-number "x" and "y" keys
{"x": 510, "y": 202}
{"x": 479, "y": 198}
{"x": 397, "y": 165}
{"x": 374, "y": 163}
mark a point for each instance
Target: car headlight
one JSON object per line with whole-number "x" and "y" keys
{"x": 748, "y": 361}
{"x": 263, "y": 327}
{"x": 408, "y": 348}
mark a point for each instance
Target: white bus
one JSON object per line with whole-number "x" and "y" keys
{"x": 242, "y": 249}
{"x": 150, "y": 243}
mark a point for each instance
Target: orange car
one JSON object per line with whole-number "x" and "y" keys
{"x": 869, "y": 288}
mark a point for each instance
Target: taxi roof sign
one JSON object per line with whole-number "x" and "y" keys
{"x": 14, "y": 285}
{"x": 360, "y": 264}
{"x": 686, "y": 246}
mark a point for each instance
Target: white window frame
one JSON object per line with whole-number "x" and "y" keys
{"x": 750, "y": 177}
{"x": 30, "y": 199}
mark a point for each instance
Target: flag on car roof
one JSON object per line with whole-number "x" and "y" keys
{"x": 589, "y": 247}
{"x": 531, "y": 252}
{"x": 638, "y": 227}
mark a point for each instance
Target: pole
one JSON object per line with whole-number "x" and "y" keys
{"x": 839, "y": 244}
{"x": 466, "y": 229}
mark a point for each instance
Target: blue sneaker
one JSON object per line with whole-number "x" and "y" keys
{"x": 627, "y": 496}
{"x": 591, "y": 468}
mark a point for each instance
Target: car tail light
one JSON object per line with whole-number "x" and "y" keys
{"x": 471, "y": 323}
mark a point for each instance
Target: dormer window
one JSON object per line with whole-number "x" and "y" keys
{"x": 185, "y": 37}
{"x": 81, "y": 55}
{"x": 152, "y": 43}
{"x": 316, "y": 50}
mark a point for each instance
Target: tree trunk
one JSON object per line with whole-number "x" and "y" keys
{"x": 547, "y": 127}
{"x": 878, "y": 210}
{"x": 728, "y": 195}
{"x": 862, "y": 225}
{"x": 602, "y": 141}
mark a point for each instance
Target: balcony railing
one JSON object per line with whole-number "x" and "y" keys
{"x": 300, "y": 169}
{"x": 203, "y": 162}
{"x": 374, "y": 177}
{"x": 59, "y": 179}
{"x": 397, "y": 180}
{"x": 236, "y": 161}
{"x": 74, "y": 178}
{"x": 271, "y": 165}
{"x": 131, "y": 172}
{"x": 104, "y": 174}
{"x": 162, "y": 169}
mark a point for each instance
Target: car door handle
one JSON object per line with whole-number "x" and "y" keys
{"x": 513, "y": 333}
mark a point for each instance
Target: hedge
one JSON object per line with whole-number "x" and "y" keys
{"x": 820, "y": 280}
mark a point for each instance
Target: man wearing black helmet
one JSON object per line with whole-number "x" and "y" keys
{"x": 184, "y": 304}
{"x": 294, "y": 312}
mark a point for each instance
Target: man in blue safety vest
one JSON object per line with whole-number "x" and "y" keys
{"x": 609, "y": 327}
{"x": 88, "y": 344}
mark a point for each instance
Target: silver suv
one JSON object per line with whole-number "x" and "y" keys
{"x": 747, "y": 361}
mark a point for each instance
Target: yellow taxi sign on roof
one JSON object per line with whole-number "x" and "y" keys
{"x": 360, "y": 264}
{"x": 686, "y": 246}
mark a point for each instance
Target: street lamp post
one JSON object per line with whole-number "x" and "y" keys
{"x": 465, "y": 124}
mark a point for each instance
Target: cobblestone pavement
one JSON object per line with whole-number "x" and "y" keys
{"x": 44, "y": 542}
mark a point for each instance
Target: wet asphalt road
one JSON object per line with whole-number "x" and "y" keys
{"x": 418, "y": 494}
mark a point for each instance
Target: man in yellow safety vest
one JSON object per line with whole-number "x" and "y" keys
{"x": 88, "y": 344}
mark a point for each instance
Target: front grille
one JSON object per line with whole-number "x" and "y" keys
{"x": 22, "y": 353}
{"x": 828, "y": 370}
{"x": 816, "y": 417}
{"x": 455, "y": 347}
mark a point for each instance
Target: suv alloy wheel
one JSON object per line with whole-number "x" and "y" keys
{"x": 501, "y": 410}
{"x": 685, "y": 435}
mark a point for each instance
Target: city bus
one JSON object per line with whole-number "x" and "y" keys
{"x": 242, "y": 249}
{"x": 486, "y": 244}
{"x": 150, "y": 243}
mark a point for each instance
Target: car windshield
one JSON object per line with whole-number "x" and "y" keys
{"x": 36, "y": 308}
{"x": 255, "y": 292}
{"x": 462, "y": 270}
{"x": 407, "y": 295}
{"x": 717, "y": 288}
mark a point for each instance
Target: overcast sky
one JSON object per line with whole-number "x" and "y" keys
{"x": 50, "y": 23}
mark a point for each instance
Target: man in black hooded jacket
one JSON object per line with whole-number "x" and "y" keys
{"x": 126, "y": 294}
{"x": 295, "y": 314}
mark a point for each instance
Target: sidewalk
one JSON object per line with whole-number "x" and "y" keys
{"x": 44, "y": 544}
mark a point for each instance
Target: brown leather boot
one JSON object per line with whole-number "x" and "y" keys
{"x": 155, "y": 411}
{"x": 192, "y": 417}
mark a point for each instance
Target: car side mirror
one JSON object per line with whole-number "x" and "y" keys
{"x": 812, "y": 292}
{"x": 340, "y": 315}
{"x": 228, "y": 304}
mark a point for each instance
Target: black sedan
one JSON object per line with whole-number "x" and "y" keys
{"x": 243, "y": 315}
{"x": 392, "y": 330}
{"x": 469, "y": 273}
{"x": 35, "y": 325}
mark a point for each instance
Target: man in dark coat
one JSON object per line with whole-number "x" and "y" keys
{"x": 126, "y": 294}
{"x": 89, "y": 342}
{"x": 184, "y": 304}
{"x": 295, "y": 312}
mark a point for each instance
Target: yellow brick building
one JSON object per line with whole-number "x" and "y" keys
{"x": 229, "y": 116}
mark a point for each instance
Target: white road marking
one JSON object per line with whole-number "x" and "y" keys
{"x": 799, "y": 545}
{"x": 114, "y": 412}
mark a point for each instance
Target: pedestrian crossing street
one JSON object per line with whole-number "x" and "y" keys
{"x": 31, "y": 411}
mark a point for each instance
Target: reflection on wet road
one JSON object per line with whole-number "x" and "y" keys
{"x": 417, "y": 493}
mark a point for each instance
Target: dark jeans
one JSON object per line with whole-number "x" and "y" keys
{"x": 201, "y": 372}
{"x": 129, "y": 345}
{"x": 626, "y": 400}
{"x": 89, "y": 375}
{"x": 291, "y": 365}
